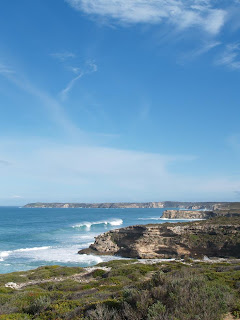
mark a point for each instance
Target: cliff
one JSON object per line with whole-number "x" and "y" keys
{"x": 106, "y": 205}
{"x": 162, "y": 204}
{"x": 219, "y": 237}
{"x": 186, "y": 214}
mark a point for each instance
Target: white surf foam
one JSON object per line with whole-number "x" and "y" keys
{"x": 63, "y": 255}
{"x": 5, "y": 254}
{"x": 150, "y": 218}
{"x": 87, "y": 225}
{"x": 31, "y": 249}
{"x": 58, "y": 255}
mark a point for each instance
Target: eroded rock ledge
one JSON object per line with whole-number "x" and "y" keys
{"x": 189, "y": 214}
{"x": 219, "y": 237}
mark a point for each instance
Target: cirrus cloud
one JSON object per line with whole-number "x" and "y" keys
{"x": 182, "y": 14}
{"x": 231, "y": 56}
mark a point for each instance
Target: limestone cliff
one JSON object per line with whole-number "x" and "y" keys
{"x": 219, "y": 237}
{"x": 186, "y": 214}
{"x": 189, "y": 214}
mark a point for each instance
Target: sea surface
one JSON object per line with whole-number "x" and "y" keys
{"x": 33, "y": 237}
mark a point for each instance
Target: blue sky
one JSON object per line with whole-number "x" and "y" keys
{"x": 109, "y": 100}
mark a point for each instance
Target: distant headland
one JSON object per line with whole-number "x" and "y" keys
{"x": 163, "y": 204}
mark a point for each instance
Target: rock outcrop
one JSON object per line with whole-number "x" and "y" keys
{"x": 186, "y": 214}
{"x": 189, "y": 214}
{"x": 219, "y": 237}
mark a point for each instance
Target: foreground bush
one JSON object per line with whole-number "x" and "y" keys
{"x": 130, "y": 291}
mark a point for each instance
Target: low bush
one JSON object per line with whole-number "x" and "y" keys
{"x": 129, "y": 291}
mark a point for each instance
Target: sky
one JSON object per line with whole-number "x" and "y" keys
{"x": 112, "y": 100}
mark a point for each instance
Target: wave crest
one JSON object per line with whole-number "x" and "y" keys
{"x": 87, "y": 225}
{"x": 5, "y": 254}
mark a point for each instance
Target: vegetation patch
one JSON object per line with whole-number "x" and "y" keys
{"x": 128, "y": 290}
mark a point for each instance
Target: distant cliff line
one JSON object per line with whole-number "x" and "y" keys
{"x": 111, "y": 205}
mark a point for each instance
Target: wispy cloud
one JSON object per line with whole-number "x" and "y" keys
{"x": 58, "y": 170}
{"x": 15, "y": 196}
{"x": 5, "y": 69}
{"x": 90, "y": 67}
{"x": 62, "y": 56}
{"x": 4, "y": 163}
{"x": 70, "y": 85}
{"x": 202, "y": 49}
{"x": 182, "y": 14}
{"x": 231, "y": 56}
{"x": 54, "y": 108}
{"x": 75, "y": 70}
{"x": 206, "y": 47}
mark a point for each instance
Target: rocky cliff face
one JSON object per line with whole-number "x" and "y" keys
{"x": 186, "y": 214}
{"x": 218, "y": 237}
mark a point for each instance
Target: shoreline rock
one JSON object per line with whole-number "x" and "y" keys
{"x": 190, "y": 214}
{"x": 186, "y": 214}
{"x": 218, "y": 237}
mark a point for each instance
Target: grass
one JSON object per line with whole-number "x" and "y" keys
{"x": 130, "y": 290}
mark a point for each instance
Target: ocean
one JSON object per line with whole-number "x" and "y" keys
{"x": 33, "y": 237}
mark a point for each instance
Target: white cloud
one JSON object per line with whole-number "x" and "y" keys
{"x": 181, "y": 13}
{"x": 52, "y": 106}
{"x": 230, "y": 56}
{"x": 5, "y": 69}
{"x": 51, "y": 169}
{"x": 47, "y": 171}
{"x": 200, "y": 50}
{"x": 62, "y": 56}
{"x": 70, "y": 85}
{"x": 206, "y": 48}
{"x": 75, "y": 70}
{"x": 90, "y": 67}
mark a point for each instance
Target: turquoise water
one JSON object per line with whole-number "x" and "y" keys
{"x": 30, "y": 238}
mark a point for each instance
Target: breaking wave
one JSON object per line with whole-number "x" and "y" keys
{"x": 5, "y": 254}
{"x": 62, "y": 255}
{"x": 87, "y": 225}
{"x": 151, "y": 218}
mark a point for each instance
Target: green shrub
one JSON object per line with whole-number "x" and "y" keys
{"x": 98, "y": 273}
{"x": 38, "y": 305}
{"x": 157, "y": 311}
{"x": 15, "y": 316}
{"x": 101, "y": 312}
{"x": 130, "y": 291}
